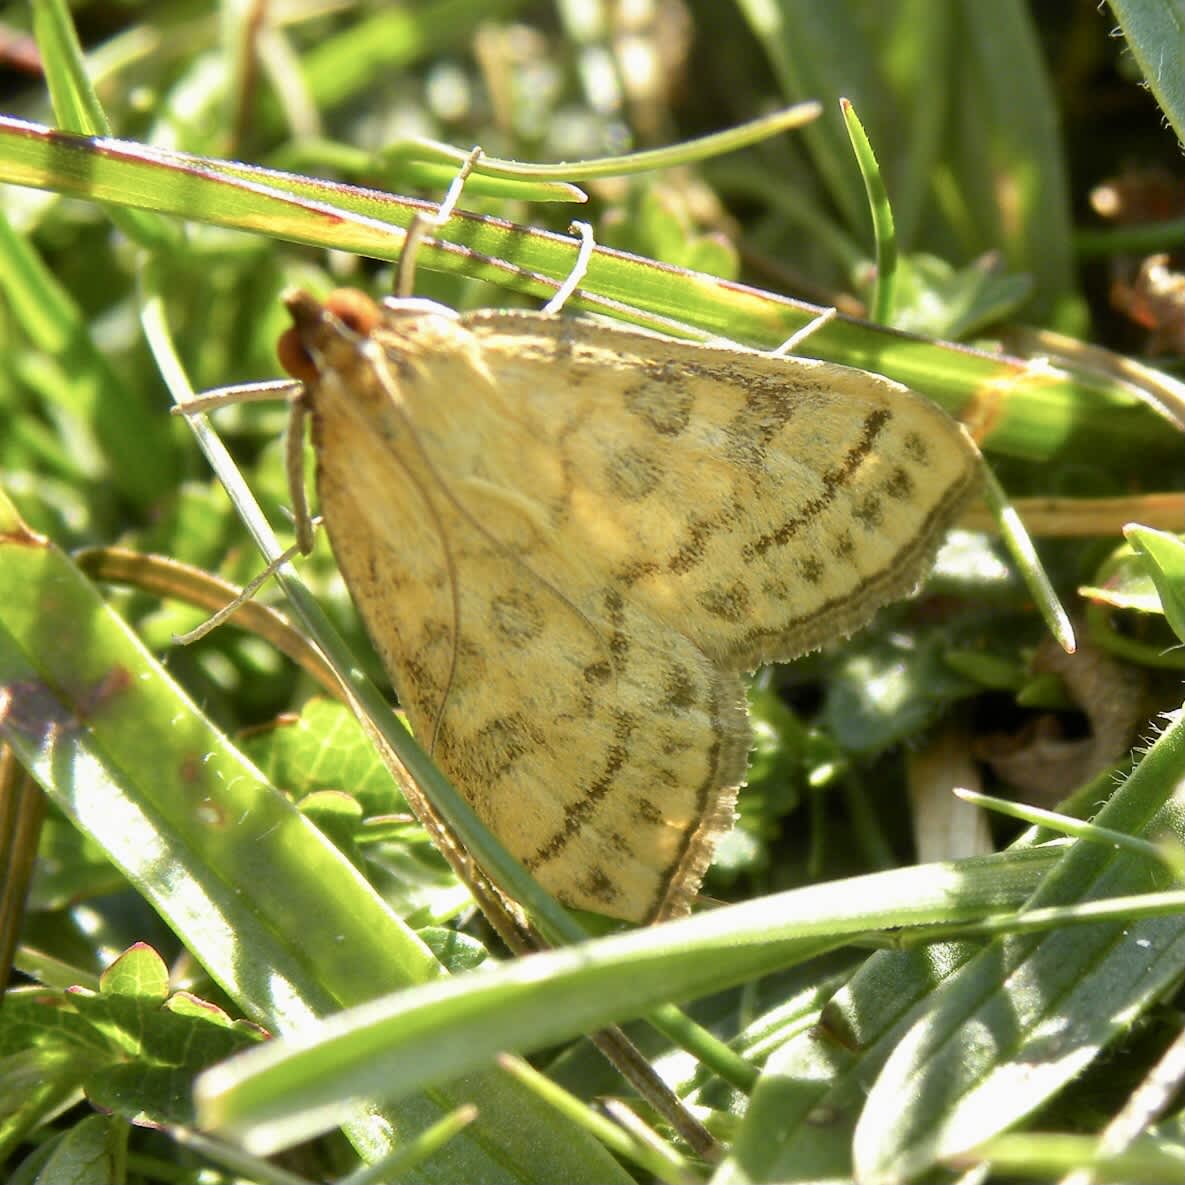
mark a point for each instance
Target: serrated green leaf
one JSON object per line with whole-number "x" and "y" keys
{"x": 325, "y": 748}
{"x": 88, "y": 1154}
{"x": 138, "y": 974}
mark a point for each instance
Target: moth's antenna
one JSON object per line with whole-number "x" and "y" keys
{"x": 405, "y": 274}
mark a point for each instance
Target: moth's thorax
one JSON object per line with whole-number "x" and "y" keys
{"x": 408, "y": 418}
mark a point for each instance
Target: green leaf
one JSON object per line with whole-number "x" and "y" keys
{"x": 1154, "y": 30}
{"x": 802, "y": 1117}
{"x": 325, "y": 748}
{"x": 890, "y": 688}
{"x": 1164, "y": 559}
{"x": 157, "y": 1043}
{"x": 89, "y": 1153}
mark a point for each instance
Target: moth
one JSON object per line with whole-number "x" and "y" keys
{"x": 569, "y": 542}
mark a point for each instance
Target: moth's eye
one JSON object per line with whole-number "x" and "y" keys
{"x": 294, "y": 358}
{"x": 354, "y": 309}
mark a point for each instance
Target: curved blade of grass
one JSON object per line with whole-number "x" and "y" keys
{"x": 167, "y": 578}
{"x": 424, "y": 164}
{"x": 1063, "y": 824}
{"x": 417, "y": 161}
{"x": 78, "y": 110}
{"x": 436, "y": 1031}
{"x": 884, "y": 232}
{"x": 652, "y": 1153}
{"x": 1020, "y": 547}
{"x": 275, "y": 913}
{"x": 1019, "y": 410}
{"x": 1030, "y": 1012}
{"x": 684, "y": 153}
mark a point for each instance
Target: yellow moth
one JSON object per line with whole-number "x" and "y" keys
{"x": 568, "y": 542}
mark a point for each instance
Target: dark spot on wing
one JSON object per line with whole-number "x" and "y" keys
{"x": 633, "y": 473}
{"x": 678, "y": 688}
{"x": 729, "y": 602}
{"x": 516, "y": 615}
{"x": 834, "y": 480}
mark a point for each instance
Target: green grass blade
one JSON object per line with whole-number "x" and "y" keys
{"x": 91, "y": 402}
{"x": 1029, "y": 1013}
{"x": 432, "y": 1033}
{"x": 884, "y": 231}
{"x": 78, "y": 110}
{"x": 1032, "y": 413}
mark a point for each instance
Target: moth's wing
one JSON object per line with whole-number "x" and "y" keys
{"x": 600, "y": 746}
{"x": 604, "y": 749}
{"x": 759, "y": 505}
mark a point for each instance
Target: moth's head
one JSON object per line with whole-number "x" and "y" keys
{"x": 325, "y": 334}
{"x": 330, "y": 334}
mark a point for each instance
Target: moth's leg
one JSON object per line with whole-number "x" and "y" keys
{"x": 302, "y": 521}
{"x": 294, "y": 392}
{"x": 248, "y": 592}
{"x": 421, "y": 223}
{"x": 796, "y": 339}
{"x": 579, "y": 268}
{"x": 304, "y": 524}
{"x": 267, "y": 392}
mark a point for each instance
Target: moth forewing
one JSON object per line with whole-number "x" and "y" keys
{"x": 762, "y": 504}
{"x": 569, "y": 541}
